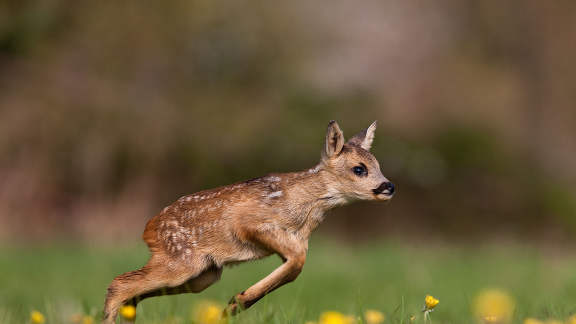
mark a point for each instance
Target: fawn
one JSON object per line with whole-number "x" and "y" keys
{"x": 191, "y": 240}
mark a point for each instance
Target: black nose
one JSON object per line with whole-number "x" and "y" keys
{"x": 385, "y": 186}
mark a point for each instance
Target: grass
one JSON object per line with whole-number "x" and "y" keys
{"x": 390, "y": 277}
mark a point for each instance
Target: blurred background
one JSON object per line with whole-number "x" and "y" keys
{"x": 111, "y": 110}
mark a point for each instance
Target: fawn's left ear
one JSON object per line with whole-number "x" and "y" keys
{"x": 365, "y": 138}
{"x": 334, "y": 140}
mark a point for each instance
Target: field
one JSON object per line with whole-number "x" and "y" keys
{"x": 64, "y": 280}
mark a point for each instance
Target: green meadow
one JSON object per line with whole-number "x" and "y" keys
{"x": 61, "y": 281}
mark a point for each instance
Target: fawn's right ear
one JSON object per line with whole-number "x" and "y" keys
{"x": 334, "y": 141}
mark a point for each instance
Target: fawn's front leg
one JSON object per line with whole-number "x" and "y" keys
{"x": 293, "y": 253}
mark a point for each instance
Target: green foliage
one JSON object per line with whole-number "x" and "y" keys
{"x": 393, "y": 278}
{"x": 559, "y": 201}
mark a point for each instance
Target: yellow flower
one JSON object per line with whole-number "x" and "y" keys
{"x": 493, "y": 306}
{"x": 530, "y": 320}
{"x": 37, "y": 318}
{"x": 87, "y": 319}
{"x": 128, "y": 312}
{"x": 412, "y": 318}
{"x": 208, "y": 312}
{"x": 332, "y": 317}
{"x": 374, "y": 317}
{"x": 571, "y": 320}
{"x": 430, "y": 302}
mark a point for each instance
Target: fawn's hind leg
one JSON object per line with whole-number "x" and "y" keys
{"x": 193, "y": 285}
{"x": 155, "y": 275}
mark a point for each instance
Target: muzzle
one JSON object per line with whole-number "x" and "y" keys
{"x": 386, "y": 188}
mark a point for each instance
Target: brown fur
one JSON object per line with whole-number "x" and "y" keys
{"x": 194, "y": 238}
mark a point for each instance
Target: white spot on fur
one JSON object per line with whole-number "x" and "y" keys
{"x": 172, "y": 222}
{"x": 171, "y": 265}
{"x": 275, "y": 194}
{"x": 314, "y": 170}
{"x": 267, "y": 227}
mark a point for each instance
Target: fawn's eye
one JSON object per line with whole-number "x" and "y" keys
{"x": 360, "y": 170}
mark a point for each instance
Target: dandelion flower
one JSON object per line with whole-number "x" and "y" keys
{"x": 208, "y": 312}
{"x": 37, "y": 318}
{"x": 87, "y": 319}
{"x": 571, "y": 320}
{"x": 430, "y": 302}
{"x": 493, "y": 306}
{"x": 332, "y": 317}
{"x": 128, "y": 312}
{"x": 530, "y": 320}
{"x": 374, "y": 317}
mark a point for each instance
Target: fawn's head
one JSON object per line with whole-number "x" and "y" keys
{"x": 356, "y": 172}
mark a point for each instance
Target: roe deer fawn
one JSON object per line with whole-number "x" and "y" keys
{"x": 191, "y": 240}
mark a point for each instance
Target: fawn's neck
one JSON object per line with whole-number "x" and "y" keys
{"x": 312, "y": 192}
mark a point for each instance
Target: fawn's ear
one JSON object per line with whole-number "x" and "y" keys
{"x": 365, "y": 138}
{"x": 334, "y": 141}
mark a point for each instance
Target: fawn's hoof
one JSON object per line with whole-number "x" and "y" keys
{"x": 235, "y": 305}
{"x": 230, "y": 310}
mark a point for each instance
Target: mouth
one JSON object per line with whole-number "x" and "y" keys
{"x": 384, "y": 195}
